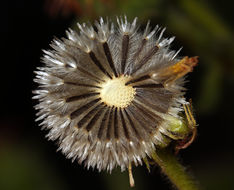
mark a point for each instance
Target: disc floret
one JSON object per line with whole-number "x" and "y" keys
{"x": 115, "y": 92}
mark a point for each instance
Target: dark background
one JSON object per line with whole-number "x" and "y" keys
{"x": 204, "y": 28}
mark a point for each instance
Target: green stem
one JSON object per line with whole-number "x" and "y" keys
{"x": 174, "y": 170}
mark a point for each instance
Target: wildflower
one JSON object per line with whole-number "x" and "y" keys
{"x": 108, "y": 94}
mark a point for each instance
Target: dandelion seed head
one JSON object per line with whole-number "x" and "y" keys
{"x": 108, "y": 95}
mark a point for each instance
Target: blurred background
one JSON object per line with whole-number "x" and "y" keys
{"x": 203, "y": 28}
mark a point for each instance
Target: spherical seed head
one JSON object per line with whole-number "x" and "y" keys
{"x": 115, "y": 92}
{"x": 108, "y": 95}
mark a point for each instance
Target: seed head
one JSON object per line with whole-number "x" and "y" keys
{"x": 108, "y": 93}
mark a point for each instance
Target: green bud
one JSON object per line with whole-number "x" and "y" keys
{"x": 178, "y": 128}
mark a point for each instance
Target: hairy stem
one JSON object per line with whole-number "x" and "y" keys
{"x": 174, "y": 170}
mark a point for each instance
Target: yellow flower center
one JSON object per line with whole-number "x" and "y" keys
{"x": 114, "y": 92}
